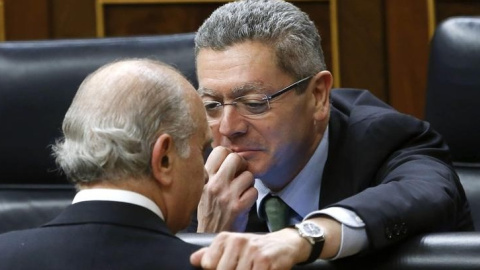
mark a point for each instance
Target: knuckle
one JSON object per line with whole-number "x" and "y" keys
{"x": 224, "y": 198}
{"x": 222, "y": 150}
{"x": 238, "y": 241}
{"x": 236, "y": 158}
{"x": 236, "y": 208}
{"x": 247, "y": 176}
{"x": 214, "y": 190}
{"x": 222, "y": 235}
{"x": 262, "y": 258}
{"x": 253, "y": 247}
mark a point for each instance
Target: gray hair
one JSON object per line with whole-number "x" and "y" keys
{"x": 277, "y": 23}
{"x": 115, "y": 118}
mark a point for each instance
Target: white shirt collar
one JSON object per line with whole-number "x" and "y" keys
{"x": 117, "y": 195}
{"x": 302, "y": 194}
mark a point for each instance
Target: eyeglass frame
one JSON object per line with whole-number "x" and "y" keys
{"x": 266, "y": 97}
{"x": 286, "y": 89}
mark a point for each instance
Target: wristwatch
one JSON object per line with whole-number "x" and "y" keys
{"x": 315, "y": 235}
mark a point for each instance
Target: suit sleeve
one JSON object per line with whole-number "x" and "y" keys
{"x": 414, "y": 189}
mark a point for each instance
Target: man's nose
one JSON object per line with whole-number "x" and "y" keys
{"x": 231, "y": 122}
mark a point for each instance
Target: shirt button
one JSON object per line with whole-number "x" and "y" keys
{"x": 358, "y": 220}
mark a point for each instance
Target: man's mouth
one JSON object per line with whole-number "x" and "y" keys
{"x": 245, "y": 152}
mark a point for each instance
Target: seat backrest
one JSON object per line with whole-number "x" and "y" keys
{"x": 26, "y": 206}
{"x": 38, "y": 80}
{"x": 453, "y": 99}
{"x": 470, "y": 179}
{"x": 453, "y": 90}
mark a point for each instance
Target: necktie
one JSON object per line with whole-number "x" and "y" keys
{"x": 277, "y": 212}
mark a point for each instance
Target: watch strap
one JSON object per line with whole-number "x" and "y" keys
{"x": 315, "y": 253}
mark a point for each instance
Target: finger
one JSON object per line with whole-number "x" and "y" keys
{"x": 220, "y": 182}
{"x": 226, "y": 173}
{"x": 232, "y": 166}
{"x": 261, "y": 265}
{"x": 244, "y": 184}
{"x": 246, "y": 258}
{"x": 196, "y": 257}
{"x": 243, "y": 181}
{"x": 216, "y": 158}
{"x": 231, "y": 254}
{"x": 248, "y": 198}
{"x": 213, "y": 253}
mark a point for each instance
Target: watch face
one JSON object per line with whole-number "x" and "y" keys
{"x": 312, "y": 229}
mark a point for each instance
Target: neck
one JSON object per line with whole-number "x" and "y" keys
{"x": 281, "y": 174}
{"x": 145, "y": 187}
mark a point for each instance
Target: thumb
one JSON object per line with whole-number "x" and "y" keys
{"x": 196, "y": 257}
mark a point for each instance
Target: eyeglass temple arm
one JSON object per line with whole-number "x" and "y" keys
{"x": 290, "y": 87}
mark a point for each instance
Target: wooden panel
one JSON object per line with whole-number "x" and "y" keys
{"x": 320, "y": 13}
{"x": 407, "y": 54}
{"x": 362, "y": 46}
{"x": 117, "y": 17}
{"x": 72, "y": 18}
{"x": 26, "y": 19}
{"x": 2, "y": 22}
{"x": 149, "y": 17}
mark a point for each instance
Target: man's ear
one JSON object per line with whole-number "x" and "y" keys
{"x": 162, "y": 158}
{"x": 321, "y": 92}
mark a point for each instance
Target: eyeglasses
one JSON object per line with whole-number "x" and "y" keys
{"x": 248, "y": 105}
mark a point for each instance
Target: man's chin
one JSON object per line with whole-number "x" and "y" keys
{"x": 256, "y": 168}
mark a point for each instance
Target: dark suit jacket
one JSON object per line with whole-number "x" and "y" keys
{"x": 97, "y": 235}
{"x": 391, "y": 169}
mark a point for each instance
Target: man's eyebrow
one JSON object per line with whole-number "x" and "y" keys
{"x": 202, "y": 91}
{"x": 247, "y": 88}
{"x": 251, "y": 87}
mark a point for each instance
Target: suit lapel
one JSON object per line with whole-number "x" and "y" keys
{"x": 335, "y": 185}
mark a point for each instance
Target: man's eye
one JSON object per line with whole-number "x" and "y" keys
{"x": 212, "y": 105}
{"x": 255, "y": 106}
{"x": 254, "y": 103}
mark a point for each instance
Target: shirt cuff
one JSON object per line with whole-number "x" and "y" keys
{"x": 354, "y": 236}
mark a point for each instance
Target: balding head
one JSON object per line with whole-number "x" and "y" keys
{"x": 116, "y": 116}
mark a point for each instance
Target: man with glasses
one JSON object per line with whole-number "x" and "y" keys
{"x": 336, "y": 172}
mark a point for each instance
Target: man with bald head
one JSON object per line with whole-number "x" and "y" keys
{"x": 133, "y": 145}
